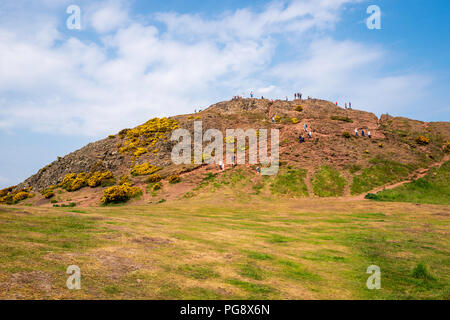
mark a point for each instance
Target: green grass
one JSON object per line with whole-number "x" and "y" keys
{"x": 328, "y": 182}
{"x": 290, "y": 183}
{"x": 226, "y": 248}
{"x": 380, "y": 173}
{"x": 434, "y": 188}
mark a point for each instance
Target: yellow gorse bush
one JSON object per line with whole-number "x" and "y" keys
{"x": 76, "y": 181}
{"x": 20, "y": 196}
{"x": 144, "y": 169}
{"x": 144, "y": 138}
{"x": 294, "y": 121}
{"x": 422, "y": 140}
{"x": 174, "y": 179}
{"x": 154, "y": 178}
{"x": 11, "y": 196}
{"x": 48, "y": 193}
{"x": 100, "y": 178}
{"x": 123, "y": 180}
{"x": 119, "y": 194}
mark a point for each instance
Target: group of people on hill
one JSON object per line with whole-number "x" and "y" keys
{"x": 307, "y": 131}
{"x": 348, "y": 106}
{"x": 363, "y": 134}
{"x": 298, "y": 96}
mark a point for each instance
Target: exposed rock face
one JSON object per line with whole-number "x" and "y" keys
{"x": 391, "y": 137}
{"x": 100, "y": 155}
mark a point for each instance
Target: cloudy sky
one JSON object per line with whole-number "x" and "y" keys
{"x": 61, "y": 88}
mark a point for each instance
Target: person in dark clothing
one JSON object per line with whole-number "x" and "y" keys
{"x": 362, "y": 133}
{"x": 301, "y": 139}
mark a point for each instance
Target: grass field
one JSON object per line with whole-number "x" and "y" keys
{"x": 227, "y": 248}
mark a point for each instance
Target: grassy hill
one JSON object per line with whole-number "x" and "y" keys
{"x": 434, "y": 188}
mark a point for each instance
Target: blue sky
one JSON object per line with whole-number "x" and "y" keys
{"x": 133, "y": 60}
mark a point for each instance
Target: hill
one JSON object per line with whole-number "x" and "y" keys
{"x": 137, "y": 162}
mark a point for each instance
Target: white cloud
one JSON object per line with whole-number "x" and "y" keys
{"x": 350, "y": 71}
{"x": 132, "y": 70}
{"x": 108, "y": 16}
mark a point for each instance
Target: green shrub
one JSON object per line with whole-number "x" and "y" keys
{"x": 371, "y": 196}
{"x": 340, "y": 118}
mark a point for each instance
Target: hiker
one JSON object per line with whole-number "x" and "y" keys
{"x": 301, "y": 139}
{"x": 300, "y": 96}
{"x": 346, "y": 105}
{"x": 310, "y": 134}
{"x": 369, "y": 135}
{"x": 356, "y": 132}
{"x": 362, "y": 133}
{"x": 251, "y": 94}
{"x": 233, "y": 160}
{"x": 258, "y": 170}
{"x": 287, "y": 99}
{"x": 273, "y": 119}
{"x": 295, "y": 96}
{"x": 349, "y": 105}
{"x": 221, "y": 166}
{"x": 336, "y": 103}
{"x": 305, "y": 126}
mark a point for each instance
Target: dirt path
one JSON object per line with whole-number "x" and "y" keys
{"x": 419, "y": 173}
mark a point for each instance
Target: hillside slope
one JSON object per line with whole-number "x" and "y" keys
{"x": 398, "y": 148}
